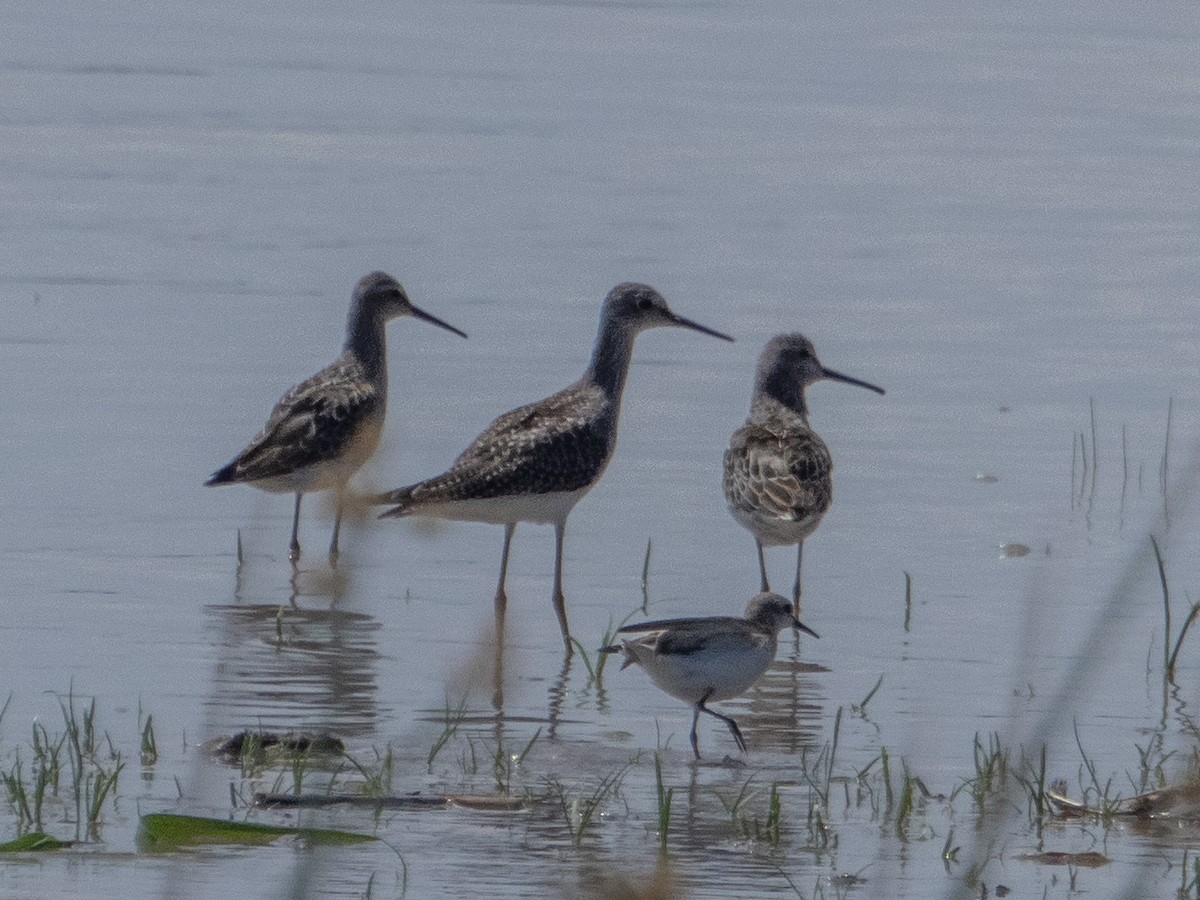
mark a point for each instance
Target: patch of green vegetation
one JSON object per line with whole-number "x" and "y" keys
{"x": 69, "y": 767}
{"x": 33, "y": 842}
{"x": 162, "y": 832}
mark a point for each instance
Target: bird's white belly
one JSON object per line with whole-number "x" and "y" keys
{"x": 719, "y": 676}
{"x": 541, "y": 509}
{"x": 773, "y": 531}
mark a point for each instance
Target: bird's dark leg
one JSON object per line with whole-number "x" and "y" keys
{"x": 796, "y": 587}
{"x": 733, "y": 726}
{"x": 762, "y": 566}
{"x": 337, "y": 527}
{"x": 501, "y": 592}
{"x": 560, "y": 599}
{"x": 695, "y": 722}
{"x": 294, "y": 546}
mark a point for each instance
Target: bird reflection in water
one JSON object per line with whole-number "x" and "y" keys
{"x": 284, "y": 667}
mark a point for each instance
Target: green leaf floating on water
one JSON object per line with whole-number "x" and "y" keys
{"x": 30, "y": 842}
{"x": 163, "y": 831}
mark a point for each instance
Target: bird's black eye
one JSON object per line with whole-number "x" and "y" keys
{"x": 645, "y": 304}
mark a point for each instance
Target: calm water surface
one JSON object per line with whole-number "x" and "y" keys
{"x": 993, "y": 212}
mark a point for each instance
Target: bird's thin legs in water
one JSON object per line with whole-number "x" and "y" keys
{"x": 337, "y": 527}
{"x": 560, "y": 599}
{"x": 695, "y": 722}
{"x": 762, "y": 566}
{"x": 294, "y": 546}
{"x": 733, "y": 726}
{"x": 498, "y": 681}
{"x": 558, "y": 696}
{"x": 796, "y": 587}
{"x": 501, "y": 602}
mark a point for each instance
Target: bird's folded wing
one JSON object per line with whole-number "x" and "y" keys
{"x": 551, "y": 446}
{"x": 786, "y": 476}
{"x": 313, "y": 422}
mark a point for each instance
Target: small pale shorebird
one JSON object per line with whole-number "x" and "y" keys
{"x": 325, "y": 428}
{"x": 778, "y": 472}
{"x": 713, "y": 658}
{"x": 535, "y": 463}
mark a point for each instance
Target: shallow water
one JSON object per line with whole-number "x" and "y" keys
{"x": 991, "y": 212}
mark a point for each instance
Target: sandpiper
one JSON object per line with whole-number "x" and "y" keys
{"x": 535, "y": 463}
{"x": 712, "y": 658}
{"x": 778, "y": 472}
{"x": 325, "y": 428}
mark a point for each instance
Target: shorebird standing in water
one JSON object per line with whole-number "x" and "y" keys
{"x": 325, "y": 428}
{"x": 778, "y": 472}
{"x": 535, "y": 463}
{"x": 713, "y": 658}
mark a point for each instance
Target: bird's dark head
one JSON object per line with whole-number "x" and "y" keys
{"x": 774, "y": 613}
{"x": 379, "y": 294}
{"x": 788, "y": 364}
{"x": 639, "y": 306}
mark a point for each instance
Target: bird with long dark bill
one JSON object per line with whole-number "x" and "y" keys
{"x": 535, "y": 463}
{"x": 324, "y": 429}
{"x": 778, "y": 472}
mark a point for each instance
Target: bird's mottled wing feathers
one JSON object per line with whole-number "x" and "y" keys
{"x": 559, "y": 444}
{"x": 779, "y": 472}
{"x": 313, "y": 422}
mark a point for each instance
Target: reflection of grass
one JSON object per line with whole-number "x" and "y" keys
{"x": 768, "y": 830}
{"x": 1171, "y": 647}
{"x": 378, "y": 775}
{"x": 908, "y": 598}
{"x": 664, "y": 796}
{"x": 505, "y": 762}
{"x": 579, "y": 811}
{"x": 149, "y": 747}
{"x": 452, "y": 719}
{"x": 1189, "y": 886}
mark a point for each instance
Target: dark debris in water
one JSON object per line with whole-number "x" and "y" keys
{"x": 484, "y": 802}
{"x": 1089, "y": 859}
{"x": 292, "y": 743}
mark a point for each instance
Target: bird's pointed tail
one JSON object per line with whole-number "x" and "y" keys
{"x": 401, "y": 499}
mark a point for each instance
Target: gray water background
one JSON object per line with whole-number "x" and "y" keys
{"x": 991, "y": 211}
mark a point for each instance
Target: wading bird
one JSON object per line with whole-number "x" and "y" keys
{"x": 535, "y": 463}
{"x": 712, "y": 658}
{"x": 325, "y": 428}
{"x": 778, "y": 472}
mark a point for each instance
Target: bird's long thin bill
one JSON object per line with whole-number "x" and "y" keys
{"x": 805, "y": 628}
{"x": 696, "y": 326}
{"x": 434, "y": 320}
{"x": 838, "y": 376}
